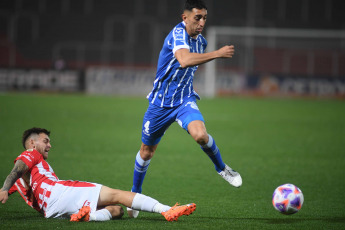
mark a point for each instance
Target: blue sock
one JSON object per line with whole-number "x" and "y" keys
{"x": 140, "y": 168}
{"x": 213, "y": 153}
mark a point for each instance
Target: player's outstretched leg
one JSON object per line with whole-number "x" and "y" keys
{"x": 223, "y": 170}
{"x": 140, "y": 202}
{"x": 145, "y": 203}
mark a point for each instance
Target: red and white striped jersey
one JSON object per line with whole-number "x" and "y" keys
{"x": 35, "y": 190}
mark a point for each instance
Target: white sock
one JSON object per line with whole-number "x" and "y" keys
{"x": 159, "y": 208}
{"x": 100, "y": 215}
{"x": 140, "y": 160}
{"x": 147, "y": 204}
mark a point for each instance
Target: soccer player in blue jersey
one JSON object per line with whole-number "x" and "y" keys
{"x": 173, "y": 97}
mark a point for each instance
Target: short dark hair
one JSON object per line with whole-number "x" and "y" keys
{"x": 34, "y": 130}
{"x": 198, "y": 4}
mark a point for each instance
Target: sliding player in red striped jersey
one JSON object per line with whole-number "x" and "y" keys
{"x": 41, "y": 189}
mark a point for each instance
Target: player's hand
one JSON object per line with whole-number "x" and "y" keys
{"x": 3, "y": 196}
{"x": 226, "y": 51}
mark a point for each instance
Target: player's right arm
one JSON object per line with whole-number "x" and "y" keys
{"x": 187, "y": 59}
{"x": 19, "y": 169}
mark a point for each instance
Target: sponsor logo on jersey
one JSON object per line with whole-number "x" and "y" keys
{"x": 179, "y": 34}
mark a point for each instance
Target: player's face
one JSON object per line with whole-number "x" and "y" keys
{"x": 195, "y": 21}
{"x": 42, "y": 144}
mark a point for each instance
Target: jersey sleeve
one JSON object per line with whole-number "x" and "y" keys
{"x": 179, "y": 39}
{"x": 30, "y": 157}
{"x": 26, "y": 193}
{"x": 13, "y": 189}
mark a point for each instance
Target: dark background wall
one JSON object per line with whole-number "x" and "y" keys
{"x": 36, "y": 33}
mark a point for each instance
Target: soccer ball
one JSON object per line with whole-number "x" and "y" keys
{"x": 287, "y": 199}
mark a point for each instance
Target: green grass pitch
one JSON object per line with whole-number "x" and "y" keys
{"x": 269, "y": 141}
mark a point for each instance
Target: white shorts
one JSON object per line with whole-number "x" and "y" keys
{"x": 67, "y": 197}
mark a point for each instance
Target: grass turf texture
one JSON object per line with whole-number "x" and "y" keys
{"x": 269, "y": 141}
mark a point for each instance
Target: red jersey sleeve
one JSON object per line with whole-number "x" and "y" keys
{"x": 12, "y": 190}
{"x": 30, "y": 157}
{"x": 20, "y": 186}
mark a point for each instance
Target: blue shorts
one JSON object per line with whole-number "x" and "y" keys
{"x": 157, "y": 120}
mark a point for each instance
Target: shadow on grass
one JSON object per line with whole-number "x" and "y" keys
{"x": 21, "y": 216}
{"x": 33, "y": 217}
{"x": 287, "y": 220}
{"x": 159, "y": 218}
{"x": 294, "y": 220}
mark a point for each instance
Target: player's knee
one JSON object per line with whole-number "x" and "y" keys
{"x": 121, "y": 212}
{"x": 201, "y": 138}
{"x": 146, "y": 155}
{"x": 116, "y": 211}
{"x": 147, "y": 151}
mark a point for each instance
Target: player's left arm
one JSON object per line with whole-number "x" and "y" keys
{"x": 187, "y": 59}
{"x": 19, "y": 169}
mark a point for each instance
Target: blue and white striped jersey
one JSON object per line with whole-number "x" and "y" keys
{"x": 173, "y": 84}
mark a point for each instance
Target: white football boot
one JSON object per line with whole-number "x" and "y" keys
{"x": 132, "y": 213}
{"x": 231, "y": 176}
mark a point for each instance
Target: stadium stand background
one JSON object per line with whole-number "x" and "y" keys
{"x": 35, "y": 34}
{"x": 84, "y": 32}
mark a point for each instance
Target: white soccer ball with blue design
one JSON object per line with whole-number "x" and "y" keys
{"x": 287, "y": 199}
